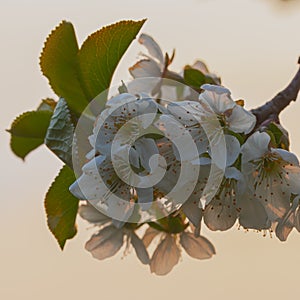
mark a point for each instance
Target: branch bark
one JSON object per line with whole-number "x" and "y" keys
{"x": 270, "y": 111}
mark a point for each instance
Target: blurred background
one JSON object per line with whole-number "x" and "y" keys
{"x": 252, "y": 44}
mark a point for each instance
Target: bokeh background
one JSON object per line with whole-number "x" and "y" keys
{"x": 252, "y": 44}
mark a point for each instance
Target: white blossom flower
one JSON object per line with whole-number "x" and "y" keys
{"x": 100, "y": 185}
{"x": 222, "y": 211}
{"x": 151, "y": 74}
{"x": 207, "y": 119}
{"x": 191, "y": 126}
{"x": 126, "y": 119}
{"x": 230, "y": 114}
{"x": 181, "y": 176}
{"x": 231, "y": 182}
{"x": 106, "y": 243}
{"x": 150, "y": 67}
{"x": 204, "y": 127}
{"x": 180, "y": 122}
{"x": 109, "y": 240}
{"x": 168, "y": 251}
{"x": 272, "y": 174}
{"x": 191, "y": 207}
{"x": 153, "y": 64}
{"x": 125, "y": 159}
{"x": 111, "y": 105}
{"x": 188, "y": 142}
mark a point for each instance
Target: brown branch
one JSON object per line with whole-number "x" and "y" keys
{"x": 270, "y": 111}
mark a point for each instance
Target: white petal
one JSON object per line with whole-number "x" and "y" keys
{"x": 120, "y": 100}
{"x": 92, "y": 165}
{"x": 241, "y": 120}
{"x": 201, "y": 113}
{"x": 217, "y": 148}
{"x": 292, "y": 177}
{"x": 106, "y": 243}
{"x": 286, "y": 156}
{"x": 145, "y": 68}
{"x": 219, "y": 99}
{"x": 89, "y": 185}
{"x": 185, "y": 111}
{"x": 233, "y": 149}
{"x": 140, "y": 249}
{"x": 171, "y": 90}
{"x": 143, "y": 84}
{"x": 215, "y": 88}
{"x": 184, "y": 146}
{"x": 152, "y": 47}
{"x": 233, "y": 173}
{"x": 76, "y": 191}
{"x": 165, "y": 257}
{"x": 220, "y": 215}
{"x": 146, "y": 148}
{"x": 149, "y": 235}
{"x": 197, "y": 247}
{"x": 275, "y": 201}
{"x": 255, "y": 146}
{"x": 92, "y": 153}
{"x": 212, "y": 185}
{"x": 120, "y": 210}
{"x": 285, "y": 226}
{"x": 193, "y": 212}
{"x": 200, "y": 66}
{"x": 91, "y": 214}
{"x": 202, "y": 161}
{"x": 252, "y": 214}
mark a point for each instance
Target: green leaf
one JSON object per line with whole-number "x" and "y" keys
{"x": 101, "y": 53}
{"x": 176, "y": 225}
{"x": 193, "y": 77}
{"x": 196, "y": 78}
{"x": 241, "y": 138}
{"x": 28, "y": 131}
{"x": 61, "y": 207}
{"x": 156, "y": 226}
{"x": 280, "y": 136}
{"x": 276, "y": 131}
{"x": 59, "y": 63}
{"x": 273, "y": 139}
{"x": 59, "y": 137}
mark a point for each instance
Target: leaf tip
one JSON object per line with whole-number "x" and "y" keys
{"x": 62, "y": 245}
{"x": 52, "y": 35}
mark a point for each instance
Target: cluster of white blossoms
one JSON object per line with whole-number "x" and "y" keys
{"x": 158, "y": 170}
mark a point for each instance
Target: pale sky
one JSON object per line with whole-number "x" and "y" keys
{"x": 252, "y": 44}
